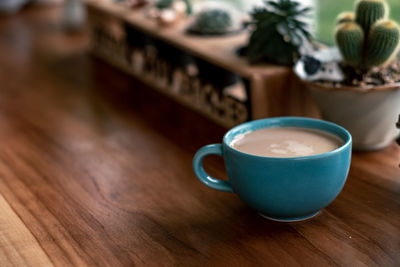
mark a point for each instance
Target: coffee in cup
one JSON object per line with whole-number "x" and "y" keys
{"x": 284, "y": 142}
{"x": 306, "y": 171}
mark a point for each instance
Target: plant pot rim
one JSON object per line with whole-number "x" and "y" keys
{"x": 363, "y": 89}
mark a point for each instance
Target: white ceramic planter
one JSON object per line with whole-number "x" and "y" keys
{"x": 369, "y": 115}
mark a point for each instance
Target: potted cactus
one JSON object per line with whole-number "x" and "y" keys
{"x": 366, "y": 99}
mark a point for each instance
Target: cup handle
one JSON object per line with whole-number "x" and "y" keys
{"x": 214, "y": 149}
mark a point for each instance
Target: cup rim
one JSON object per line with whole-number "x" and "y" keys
{"x": 345, "y": 145}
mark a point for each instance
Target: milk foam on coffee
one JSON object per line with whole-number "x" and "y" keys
{"x": 285, "y": 142}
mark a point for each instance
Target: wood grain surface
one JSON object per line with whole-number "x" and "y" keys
{"x": 95, "y": 170}
{"x": 17, "y": 244}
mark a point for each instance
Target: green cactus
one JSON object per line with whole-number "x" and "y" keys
{"x": 383, "y": 42}
{"x": 370, "y": 40}
{"x": 212, "y": 22}
{"x": 370, "y": 11}
{"x": 345, "y": 17}
{"x": 350, "y": 41}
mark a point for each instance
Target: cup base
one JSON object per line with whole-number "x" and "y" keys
{"x": 293, "y": 219}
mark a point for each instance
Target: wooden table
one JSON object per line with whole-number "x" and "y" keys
{"x": 95, "y": 169}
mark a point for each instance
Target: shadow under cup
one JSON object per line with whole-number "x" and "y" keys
{"x": 282, "y": 189}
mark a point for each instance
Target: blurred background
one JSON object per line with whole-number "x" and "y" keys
{"x": 324, "y": 14}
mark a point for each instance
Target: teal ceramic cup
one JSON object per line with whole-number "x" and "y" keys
{"x": 282, "y": 189}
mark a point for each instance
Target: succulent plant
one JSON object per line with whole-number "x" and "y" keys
{"x": 212, "y": 22}
{"x": 279, "y": 33}
{"x": 370, "y": 40}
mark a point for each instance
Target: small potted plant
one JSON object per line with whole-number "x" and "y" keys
{"x": 278, "y": 33}
{"x": 366, "y": 98}
{"x": 213, "y": 22}
{"x": 216, "y": 19}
